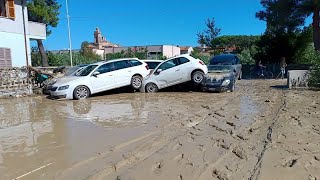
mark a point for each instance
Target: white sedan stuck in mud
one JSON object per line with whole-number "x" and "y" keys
{"x": 101, "y": 76}
{"x": 174, "y": 71}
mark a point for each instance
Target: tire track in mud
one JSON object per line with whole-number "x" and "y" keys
{"x": 211, "y": 169}
{"x": 256, "y": 171}
{"x": 155, "y": 145}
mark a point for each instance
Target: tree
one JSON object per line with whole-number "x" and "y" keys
{"x": 87, "y": 52}
{"x": 208, "y": 36}
{"x": 241, "y": 42}
{"x": 310, "y": 7}
{"x": 46, "y": 12}
{"x": 282, "y": 16}
{"x": 285, "y": 20}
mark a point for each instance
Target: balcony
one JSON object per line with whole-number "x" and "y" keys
{"x": 36, "y": 30}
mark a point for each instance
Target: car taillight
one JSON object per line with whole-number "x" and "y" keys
{"x": 147, "y": 67}
{"x": 201, "y": 62}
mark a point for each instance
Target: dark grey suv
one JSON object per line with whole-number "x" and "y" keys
{"x": 228, "y": 60}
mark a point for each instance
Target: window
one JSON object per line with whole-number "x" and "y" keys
{"x": 183, "y": 60}
{"x": 153, "y": 65}
{"x": 223, "y": 60}
{"x": 106, "y": 68}
{"x": 135, "y": 62}
{"x": 7, "y": 8}
{"x": 86, "y": 71}
{"x": 121, "y": 65}
{"x": 169, "y": 64}
{"x": 5, "y": 58}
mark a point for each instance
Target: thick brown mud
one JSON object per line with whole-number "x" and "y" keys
{"x": 257, "y": 132}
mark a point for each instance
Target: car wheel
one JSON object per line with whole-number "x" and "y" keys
{"x": 240, "y": 75}
{"x": 81, "y": 92}
{"x": 136, "y": 82}
{"x": 151, "y": 88}
{"x": 197, "y": 77}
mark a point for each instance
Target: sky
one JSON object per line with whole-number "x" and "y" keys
{"x": 152, "y": 22}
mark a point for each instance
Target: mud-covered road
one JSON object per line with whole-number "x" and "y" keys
{"x": 261, "y": 131}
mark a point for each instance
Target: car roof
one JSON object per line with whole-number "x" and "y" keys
{"x": 114, "y": 60}
{"x": 152, "y": 60}
{"x": 226, "y": 55}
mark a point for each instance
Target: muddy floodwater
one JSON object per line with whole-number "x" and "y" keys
{"x": 261, "y": 131}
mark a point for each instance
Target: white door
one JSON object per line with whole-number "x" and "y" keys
{"x": 105, "y": 80}
{"x": 185, "y": 69}
{"x": 123, "y": 73}
{"x": 170, "y": 73}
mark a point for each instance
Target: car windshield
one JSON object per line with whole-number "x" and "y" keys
{"x": 87, "y": 70}
{"x": 74, "y": 69}
{"x": 223, "y": 60}
{"x": 219, "y": 68}
{"x": 153, "y": 65}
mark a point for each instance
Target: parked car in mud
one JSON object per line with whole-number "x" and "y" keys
{"x": 174, "y": 71}
{"x": 101, "y": 76}
{"x": 219, "y": 78}
{"x": 231, "y": 60}
{"x": 70, "y": 72}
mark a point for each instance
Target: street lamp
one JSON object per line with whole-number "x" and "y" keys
{"x": 69, "y": 33}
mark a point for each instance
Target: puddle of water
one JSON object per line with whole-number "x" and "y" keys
{"x": 247, "y": 110}
{"x": 38, "y": 131}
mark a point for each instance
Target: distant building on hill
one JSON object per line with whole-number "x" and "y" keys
{"x": 153, "y": 51}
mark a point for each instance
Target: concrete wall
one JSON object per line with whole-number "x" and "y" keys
{"x": 14, "y": 82}
{"x": 36, "y": 30}
{"x": 16, "y": 43}
{"x": 298, "y": 78}
{"x": 14, "y": 25}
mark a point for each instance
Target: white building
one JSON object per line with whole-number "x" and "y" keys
{"x": 152, "y": 50}
{"x": 13, "y": 29}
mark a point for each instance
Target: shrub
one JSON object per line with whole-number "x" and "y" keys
{"x": 314, "y": 80}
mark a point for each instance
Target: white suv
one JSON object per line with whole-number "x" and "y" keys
{"x": 101, "y": 76}
{"x": 174, "y": 71}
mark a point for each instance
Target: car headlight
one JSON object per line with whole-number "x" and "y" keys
{"x": 226, "y": 82}
{"x": 63, "y": 88}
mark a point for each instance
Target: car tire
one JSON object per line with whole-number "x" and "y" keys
{"x": 81, "y": 92}
{"x": 197, "y": 77}
{"x": 136, "y": 82}
{"x": 151, "y": 88}
{"x": 240, "y": 75}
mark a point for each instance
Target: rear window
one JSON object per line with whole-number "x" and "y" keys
{"x": 135, "y": 62}
{"x": 223, "y": 60}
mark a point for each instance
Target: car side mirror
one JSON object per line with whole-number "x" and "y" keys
{"x": 95, "y": 74}
{"x": 158, "y": 71}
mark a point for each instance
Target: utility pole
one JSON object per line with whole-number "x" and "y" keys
{"x": 69, "y": 33}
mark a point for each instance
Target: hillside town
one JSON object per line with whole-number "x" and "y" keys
{"x": 151, "y": 92}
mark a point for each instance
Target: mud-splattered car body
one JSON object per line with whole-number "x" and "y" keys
{"x": 219, "y": 78}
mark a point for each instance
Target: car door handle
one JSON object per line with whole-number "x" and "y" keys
{"x": 129, "y": 71}
{"x": 110, "y": 74}
{"x": 177, "y": 70}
